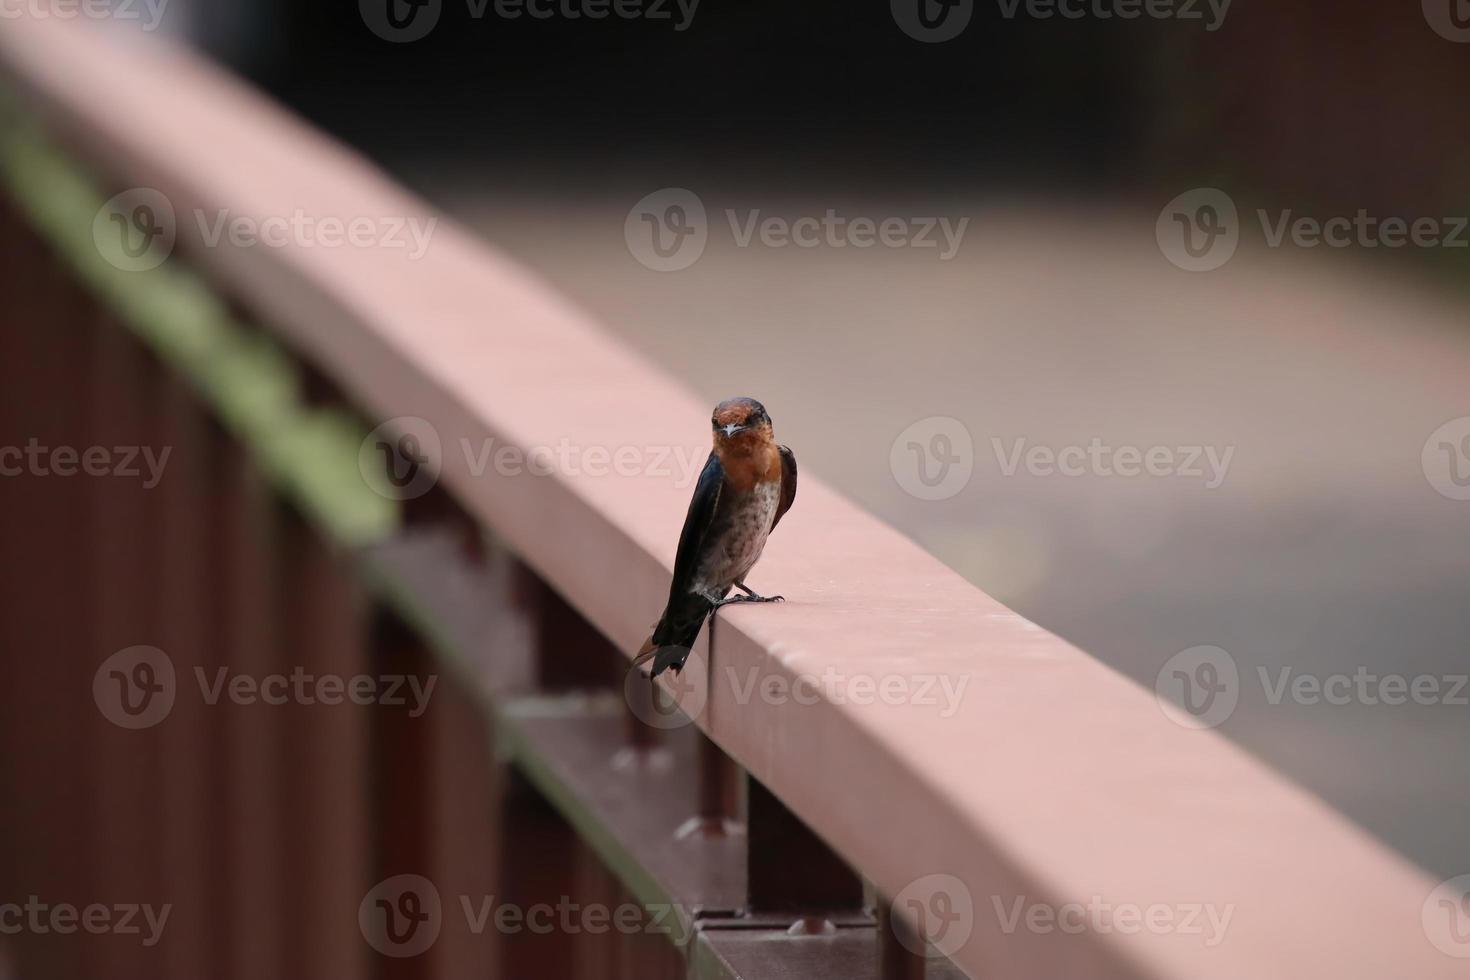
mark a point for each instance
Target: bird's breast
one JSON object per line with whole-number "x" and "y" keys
{"x": 740, "y": 537}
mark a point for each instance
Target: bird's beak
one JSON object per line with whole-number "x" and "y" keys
{"x": 732, "y": 428}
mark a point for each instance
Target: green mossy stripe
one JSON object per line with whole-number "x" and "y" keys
{"x": 311, "y": 454}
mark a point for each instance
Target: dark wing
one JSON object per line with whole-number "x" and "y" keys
{"x": 788, "y": 484}
{"x": 679, "y": 626}
{"x": 701, "y": 514}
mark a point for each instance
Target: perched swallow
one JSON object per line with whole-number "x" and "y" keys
{"x": 747, "y": 485}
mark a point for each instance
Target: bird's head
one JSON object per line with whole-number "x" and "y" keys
{"x": 740, "y": 423}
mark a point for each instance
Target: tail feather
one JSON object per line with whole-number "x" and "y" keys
{"x": 674, "y": 636}
{"x": 663, "y": 659}
{"x": 646, "y": 652}
{"x": 669, "y": 658}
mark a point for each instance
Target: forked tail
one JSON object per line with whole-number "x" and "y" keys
{"x": 674, "y": 636}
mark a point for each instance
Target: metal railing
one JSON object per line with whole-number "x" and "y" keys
{"x": 1043, "y": 822}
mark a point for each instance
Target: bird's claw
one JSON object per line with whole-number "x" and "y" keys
{"x": 751, "y": 597}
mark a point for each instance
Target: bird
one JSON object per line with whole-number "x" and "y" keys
{"x": 747, "y": 485}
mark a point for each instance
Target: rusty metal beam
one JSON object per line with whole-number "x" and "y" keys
{"x": 185, "y": 594}
{"x": 254, "y": 741}
{"x": 121, "y": 615}
{"x": 774, "y": 954}
{"x": 326, "y": 761}
{"x": 46, "y": 655}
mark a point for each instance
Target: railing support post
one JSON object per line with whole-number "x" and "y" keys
{"x": 791, "y": 869}
{"x": 570, "y": 652}
{"x": 719, "y": 793}
{"x": 897, "y": 941}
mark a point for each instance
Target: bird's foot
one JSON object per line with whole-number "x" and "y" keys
{"x": 751, "y": 595}
{"x": 732, "y": 600}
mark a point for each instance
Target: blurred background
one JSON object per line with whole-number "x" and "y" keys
{"x": 1330, "y": 537}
